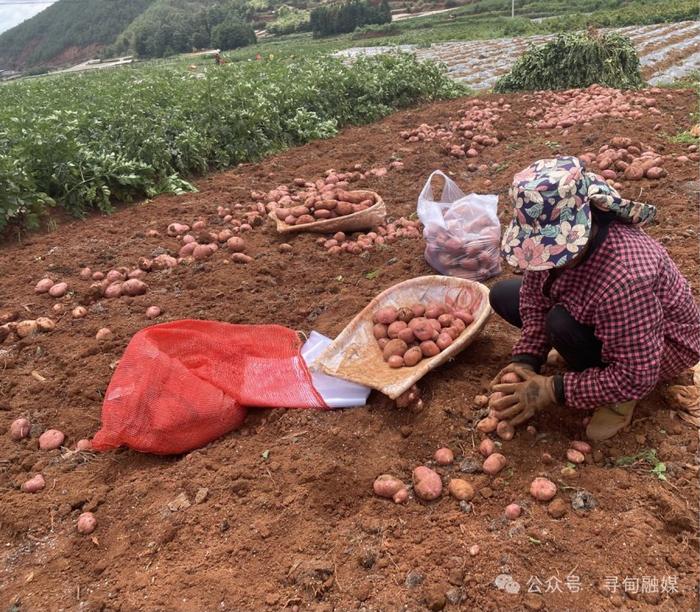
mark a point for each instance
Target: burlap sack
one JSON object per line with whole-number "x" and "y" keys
{"x": 354, "y": 222}
{"x": 355, "y": 355}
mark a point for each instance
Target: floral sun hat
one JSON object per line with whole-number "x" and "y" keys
{"x": 552, "y": 215}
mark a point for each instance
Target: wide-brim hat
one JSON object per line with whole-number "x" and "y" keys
{"x": 552, "y": 212}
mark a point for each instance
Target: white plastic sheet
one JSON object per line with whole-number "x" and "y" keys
{"x": 337, "y": 393}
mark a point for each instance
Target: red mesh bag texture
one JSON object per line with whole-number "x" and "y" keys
{"x": 181, "y": 385}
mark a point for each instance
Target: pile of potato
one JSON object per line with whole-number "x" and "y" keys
{"x": 409, "y": 334}
{"x": 564, "y": 109}
{"x": 625, "y": 159}
{"x": 475, "y": 259}
{"x": 328, "y": 202}
{"x": 340, "y": 242}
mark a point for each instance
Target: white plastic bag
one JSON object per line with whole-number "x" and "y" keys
{"x": 462, "y": 232}
{"x": 336, "y": 392}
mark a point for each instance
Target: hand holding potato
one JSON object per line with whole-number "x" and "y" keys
{"x": 523, "y": 399}
{"x": 509, "y": 369}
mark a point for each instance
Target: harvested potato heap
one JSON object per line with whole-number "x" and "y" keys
{"x": 564, "y": 109}
{"x": 474, "y": 259}
{"x": 328, "y": 202}
{"x": 626, "y": 159}
{"x": 468, "y": 135}
{"x": 407, "y": 335}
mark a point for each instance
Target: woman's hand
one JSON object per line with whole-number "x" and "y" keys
{"x": 524, "y": 399}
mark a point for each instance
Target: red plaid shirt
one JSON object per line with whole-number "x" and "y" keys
{"x": 640, "y": 306}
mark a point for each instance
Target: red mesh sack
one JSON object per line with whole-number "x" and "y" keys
{"x": 181, "y": 385}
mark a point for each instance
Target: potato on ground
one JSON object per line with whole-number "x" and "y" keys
{"x": 426, "y": 483}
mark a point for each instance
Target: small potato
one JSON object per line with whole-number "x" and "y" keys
{"x": 305, "y": 219}
{"x": 134, "y": 287}
{"x": 460, "y": 489}
{"x": 394, "y": 329}
{"x": 429, "y": 348}
{"x": 426, "y": 483}
{"x": 444, "y": 456}
{"x": 493, "y": 464}
{"x": 510, "y": 377}
{"x": 113, "y": 291}
{"x": 407, "y": 335}
{"x": 481, "y": 401}
{"x": 412, "y": 356}
{"x": 34, "y": 485}
{"x": 20, "y": 428}
{"x": 382, "y": 342}
{"x": 547, "y": 459}
{"x": 445, "y": 320}
{"x": 137, "y": 273}
{"x": 400, "y": 496}
{"x": 581, "y": 446}
{"x": 83, "y": 445}
{"x": 423, "y": 331}
{"x": 85, "y": 273}
{"x": 282, "y": 213}
{"x": 434, "y": 310}
{"x": 153, "y": 312}
{"x": 299, "y": 211}
{"x": 543, "y": 489}
{"x": 202, "y": 251}
{"x": 505, "y": 430}
{"x": 452, "y": 332}
{"x": 290, "y": 220}
{"x": 386, "y": 315}
{"x": 487, "y": 447}
{"x": 86, "y": 523}
{"x": 43, "y": 285}
{"x": 575, "y": 456}
{"x": 24, "y": 329}
{"x": 444, "y": 340}
{"x": 104, "y": 334}
{"x": 51, "y": 439}
{"x": 58, "y": 290}
{"x": 387, "y": 486}
{"x": 114, "y": 275}
{"x": 379, "y": 331}
{"x": 241, "y": 258}
{"x": 187, "y": 249}
{"x": 405, "y": 314}
{"x": 487, "y": 425}
{"x": 394, "y": 347}
{"x": 45, "y": 324}
{"x": 418, "y": 310}
{"x": 464, "y": 316}
{"x": 395, "y": 361}
{"x": 236, "y": 244}
{"x": 513, "y": 511}
{"x": 79, "y": 312}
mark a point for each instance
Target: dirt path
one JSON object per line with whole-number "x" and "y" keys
{"x": 302, "y": 529}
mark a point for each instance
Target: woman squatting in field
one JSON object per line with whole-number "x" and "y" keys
{"x": 597, "y": 289}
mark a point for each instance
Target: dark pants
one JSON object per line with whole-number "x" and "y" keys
{"x": 575, "y": 342}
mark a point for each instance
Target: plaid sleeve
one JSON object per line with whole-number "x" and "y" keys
{"x": 629, "y": 323}
{"x": 534, "y": 307}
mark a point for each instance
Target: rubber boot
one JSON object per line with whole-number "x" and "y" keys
{"x": 607, "y": 421}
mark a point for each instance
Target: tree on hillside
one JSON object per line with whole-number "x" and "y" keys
{"x": 232, "y": 34}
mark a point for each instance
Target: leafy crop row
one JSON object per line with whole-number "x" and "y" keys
{"x": 88, "y": 141}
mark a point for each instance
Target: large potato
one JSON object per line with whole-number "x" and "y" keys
{"x": 543, "y": 489}
{"x": 426, "y": 483}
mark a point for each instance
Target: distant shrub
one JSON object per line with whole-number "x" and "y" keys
{"x": 232, "y": 34}
{"x": 346, "y": 16}
{"x": 575, "y": 60}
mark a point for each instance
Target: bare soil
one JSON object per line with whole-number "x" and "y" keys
{"x": 301, "y": 528}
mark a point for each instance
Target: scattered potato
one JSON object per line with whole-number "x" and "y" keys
{"x": 24, "y": 329}
{"x": 387, "y": 486}
{"x": 543, "y": 489}
{"x": 104, "y": 334}
{"x": 581, "y": 446}
{"x": 20, "y": 428}
{"x": 153, "y": 312}
{"x": 426, "y": 483}
{"x": 58, "y": 290}
{"x": 51, "y": 439}
{"x": 43, "y": 285}
{"x": 487, "y": 425}
{"x": 241, "y": 258}
{"x": 487, "y": 447}
{"x": 575, "y": 456}
{"x": 83, "y": 445}
{"x": 505, "y": 430}
{"x": 513, "y": 511}
{"x": 481, "y": 401}
{"x": 494, "y": 463}
{"x": 86, "y": 523}
{"x": 34, "y": 485}
{"x": 444, "y": 456}
{"x": 460, "y": 489}
{"x": 79, "y": 312}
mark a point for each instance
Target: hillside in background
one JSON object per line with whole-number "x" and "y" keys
{"x": 70, "y": 31}
{"x": 66, "y": 30}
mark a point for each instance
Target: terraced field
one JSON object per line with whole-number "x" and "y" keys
{"x": 666, "y": 51}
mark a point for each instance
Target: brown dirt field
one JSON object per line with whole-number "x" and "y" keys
{"x": 302, "y": 529}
